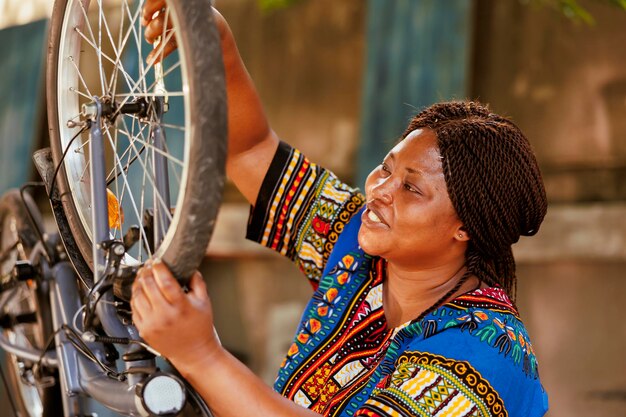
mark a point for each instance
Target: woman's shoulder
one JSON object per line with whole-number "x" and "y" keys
{"x": 486, "y": 321}
{"x": 432, "y": 379}
{"x": 478, "y": 346}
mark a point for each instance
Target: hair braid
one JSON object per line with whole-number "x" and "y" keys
{"x": 493, "y": 181}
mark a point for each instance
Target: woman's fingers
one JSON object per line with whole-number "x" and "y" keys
{"x": 137, "y": 317}
{"x": 140, "y": 303}
{"x": 158, "y": 27}
{"x": 158, "y": 23}
{"x": 150, "y": 8}
{"x": 198, "y": 287}
{"x": 156, "y": 284}
{"x": 177, "y": 324}
{"x": 153, "y": 293}
{"x": 161, "y": 29}
{"x": 168, "y": 285}
{"x": 157, "y": 55}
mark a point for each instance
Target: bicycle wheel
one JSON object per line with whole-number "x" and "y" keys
{"x": 25, "y": 389}
{"x": 96, "y": 50}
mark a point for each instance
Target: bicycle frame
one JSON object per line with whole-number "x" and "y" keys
{"x": 82, "y": 373}
{"x": 78, "y": 374}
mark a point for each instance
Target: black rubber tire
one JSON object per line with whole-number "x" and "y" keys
{"x": 11, "y": 205}
{"x": 203, "y": 189}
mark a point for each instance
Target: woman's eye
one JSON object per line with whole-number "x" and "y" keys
{"x": 412, "y": 189}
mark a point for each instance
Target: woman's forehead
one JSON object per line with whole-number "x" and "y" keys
{"x": 418, "y": 151}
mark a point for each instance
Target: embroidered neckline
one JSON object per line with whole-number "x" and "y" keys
{"x": 477, "y": 297}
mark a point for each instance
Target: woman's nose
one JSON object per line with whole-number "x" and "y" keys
{"x": 383, "y": 190}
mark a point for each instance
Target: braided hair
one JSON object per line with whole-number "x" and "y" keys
{"x": 494, "y": 185}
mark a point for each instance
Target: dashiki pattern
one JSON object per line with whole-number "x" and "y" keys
{"x": 470, "y": 357}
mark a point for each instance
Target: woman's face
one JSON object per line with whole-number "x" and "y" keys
{"x": 409, "y": 219}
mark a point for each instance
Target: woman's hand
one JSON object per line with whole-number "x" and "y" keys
{"x": 177, "y": 324}
{"x": 180, "y": 326}
{"x": 251, "y": 142}
{"x": 158, "y": 26}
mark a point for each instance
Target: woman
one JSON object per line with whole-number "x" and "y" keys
{"x": 412, "y": 311}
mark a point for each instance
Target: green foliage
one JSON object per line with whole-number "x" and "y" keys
{"x": 570, "y": 8}
{"x": 269, "y": 5}
{"x": 573, "y": 10}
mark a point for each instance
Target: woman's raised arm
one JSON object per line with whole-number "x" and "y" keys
{"x": 251, "y": 142}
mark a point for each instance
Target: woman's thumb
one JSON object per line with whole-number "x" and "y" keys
{"x": 197, "y": 286}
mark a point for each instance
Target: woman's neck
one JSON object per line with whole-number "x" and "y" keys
{"x": 407, "y": 293}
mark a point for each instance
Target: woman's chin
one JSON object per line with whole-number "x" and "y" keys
{"x": 368, "y": 242}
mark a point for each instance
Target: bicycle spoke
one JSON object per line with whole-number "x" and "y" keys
{"x": 131, "y": 25}
{"x": 127, "y": 77}
{"x": 79, "y": 148}
{"x": 172, "y": 166}
{"x": 150, "y": 176}
{"x": 140, "y": 80}
{"x": 171, "y": 126}
{"x": 110, "y": 37}
{"x": 113, "y": 174}
{"x": 82, "y": 80}
{"x": 165, "y": 74}
{"x": 161, "y": 152}
{"x": 163, "y": 35}
{"x": 99, "y": 52}
{"x": 82, "y": 175}
{"x": 138, "y": 43}
{"x": 80, "y": 93}
{"x": 143, "y": 243}
{"x": 126, "y": 183}
{"x": 113, "y": 87}
{"x": 174, "y": 94}
{"x": 86, "y": 17}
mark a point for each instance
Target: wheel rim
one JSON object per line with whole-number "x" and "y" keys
{"x": 26, "y": 384}
{"x": 110, "y": 37}
{"x": 23, "y": 335}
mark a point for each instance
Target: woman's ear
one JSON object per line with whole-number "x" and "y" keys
{"x": 461, "y": 234}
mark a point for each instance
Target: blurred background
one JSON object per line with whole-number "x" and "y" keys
{"x": 340, "y": 80}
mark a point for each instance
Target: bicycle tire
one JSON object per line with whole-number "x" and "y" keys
{"x": 199, "y": 51}
{"x": 15, "y": 226}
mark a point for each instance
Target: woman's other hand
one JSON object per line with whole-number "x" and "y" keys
{"x": 158, "y": 25}
{"x": 251, "y": 142}
{"x": 177, "y": 324}
{"x": 155, "y": 19}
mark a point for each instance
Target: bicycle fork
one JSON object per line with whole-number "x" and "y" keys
{"x": 80, "y": 375}
{"x": 99, "y": 199}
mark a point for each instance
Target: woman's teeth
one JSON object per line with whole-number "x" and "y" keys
{"x": 373, "y": 217}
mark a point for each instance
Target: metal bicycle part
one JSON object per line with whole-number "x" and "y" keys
{"x": 78, "y": 376}
{"x": 24, "y": 308}
{"x": 163, "y": 132}
{"x": 81, "y": 376}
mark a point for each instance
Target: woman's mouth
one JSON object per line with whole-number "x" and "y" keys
{"x": 373, "y": 218}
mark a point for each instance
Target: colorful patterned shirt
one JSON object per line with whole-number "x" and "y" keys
{"x": 470, "y": 357}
